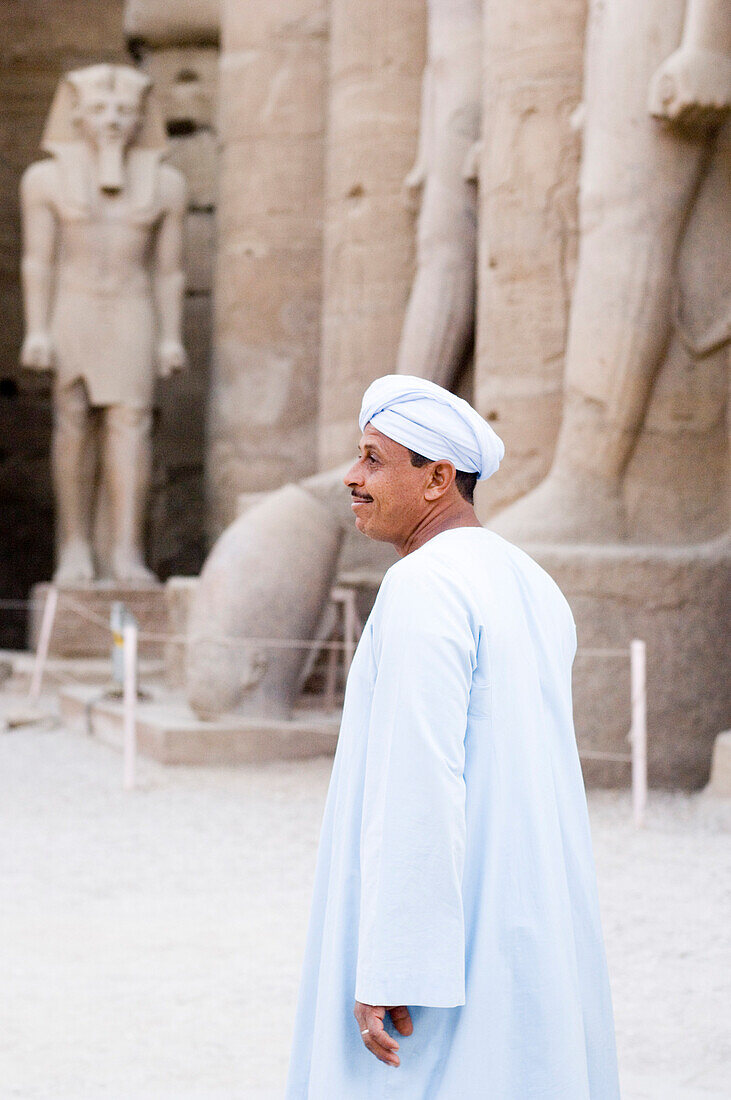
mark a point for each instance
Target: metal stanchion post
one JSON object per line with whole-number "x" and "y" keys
{"x": 129, "y": 697}
{"x": 44, "y": 641}
{"x": 638, "y": 736}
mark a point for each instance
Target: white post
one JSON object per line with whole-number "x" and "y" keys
{"x": 129, "y": 697}
{"x": 638, "y": 735}
{"x": 44, "y": 641}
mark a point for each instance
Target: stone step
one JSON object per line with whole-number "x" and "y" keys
{"x": 169, "y": 732}
{"x": 16, "y": 670}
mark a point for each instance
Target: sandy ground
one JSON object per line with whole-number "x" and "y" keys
{"x": 150, "y": 941}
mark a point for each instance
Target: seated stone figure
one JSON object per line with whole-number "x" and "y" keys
{"x": 103, "y": 287}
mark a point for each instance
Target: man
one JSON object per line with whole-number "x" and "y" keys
{"x": 103, "y": 289}
{"x": 455, "y": 899}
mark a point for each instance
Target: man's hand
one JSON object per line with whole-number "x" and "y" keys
{"x": 370, "y": 1021}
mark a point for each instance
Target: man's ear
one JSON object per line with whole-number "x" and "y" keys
{"x": 442, "y": 478}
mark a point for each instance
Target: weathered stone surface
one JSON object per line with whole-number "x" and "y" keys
{"x": 677, "y": 600}
{"x": 264, "y": 392}
{"x": 81, "y": 626}
{"x": 720, "y": 782}
{"x": 377, "y": 55}
{"x": 17, "y": 668}
{"x": 528, "y": 227}
{"x": 168, "y": 731}
{"x": 162, "y": 23}
{"x": 253, "y": 602}
{"x": 186, "y": 81}
{"x": 647, "y": 345}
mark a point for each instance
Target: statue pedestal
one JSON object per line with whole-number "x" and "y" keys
{"x": 677, "y": 600}
{"x": 81, "y": 627}
{"x": 169, "y": 732}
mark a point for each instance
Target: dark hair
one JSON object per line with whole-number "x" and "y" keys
{"x": 465, "y": 482}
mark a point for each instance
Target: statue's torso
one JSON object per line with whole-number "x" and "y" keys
{"x": 103, "y": 317}
{"x": 106, "y": 250}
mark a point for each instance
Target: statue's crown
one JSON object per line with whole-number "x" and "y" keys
{"x": 110, "y": 78}
{"x": 82, "y": 83}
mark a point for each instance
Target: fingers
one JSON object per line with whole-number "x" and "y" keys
{"x": 402, "y": 1020}
{"x": 376, "y": 1039}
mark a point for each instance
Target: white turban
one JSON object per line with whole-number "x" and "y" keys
{"x": 433, "y": 422}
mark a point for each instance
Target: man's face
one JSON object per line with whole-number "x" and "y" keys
{"x": 388, "y": 492}
{"x": 109, "y": 116}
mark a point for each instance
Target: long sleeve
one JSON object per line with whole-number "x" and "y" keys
{"x": 411, "y": 943}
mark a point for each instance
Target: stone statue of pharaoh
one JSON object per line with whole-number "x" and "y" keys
{"x": 103, "y": 289}
{"x": 650, "y": 321}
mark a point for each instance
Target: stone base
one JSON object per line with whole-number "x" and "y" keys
{"x": 169, "y": 732}
{"x": 675, "y": 599}
{"x": 77, "y": 631}
{"x": 720, "y": 784}
{"x": 16, "y": 670}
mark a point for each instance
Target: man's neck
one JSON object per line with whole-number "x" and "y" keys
{"x": 456, "y": 514}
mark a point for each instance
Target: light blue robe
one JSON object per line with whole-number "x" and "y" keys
{"x": 455, "y": 873}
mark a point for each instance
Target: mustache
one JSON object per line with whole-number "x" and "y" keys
{"x": 360, "y": 496}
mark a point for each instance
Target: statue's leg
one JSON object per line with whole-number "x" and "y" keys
{"x": 439, "y": 323}
{"x": 638, "y": 182}
{"x": 73, "y": 464}
{"x": 126, "y": 467}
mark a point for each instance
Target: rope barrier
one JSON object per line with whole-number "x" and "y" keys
{"x": 133, "y": 637}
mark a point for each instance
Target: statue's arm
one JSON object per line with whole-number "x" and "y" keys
{"x": 693, "y": 86}
{"x": 39, "y": 247}
{"x": 416, "y": 178}
{"x": 169, "y": 277}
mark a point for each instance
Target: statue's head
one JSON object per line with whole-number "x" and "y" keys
{"x": 108, "y": 108}
{"x": 108, "y": 104}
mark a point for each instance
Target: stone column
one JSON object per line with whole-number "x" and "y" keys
{"x": 263, "y": 415}
{"x": 377, "y": 55}
{"x": 528, "y": 226}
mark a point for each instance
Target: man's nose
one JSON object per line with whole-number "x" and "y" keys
{"x": 353, "y": 476}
